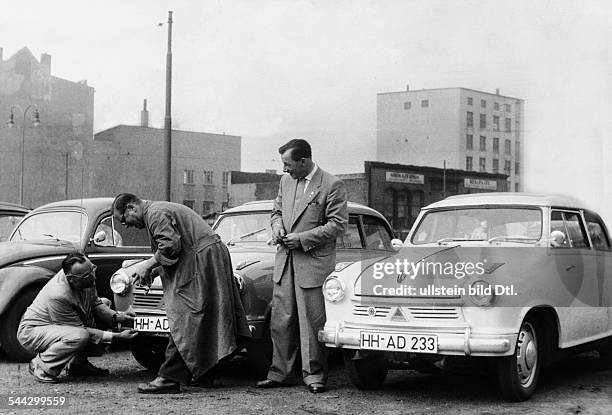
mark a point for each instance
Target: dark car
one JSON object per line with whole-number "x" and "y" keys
{"x": 38, "y": 245}
{"x": 246, "y": 231}
{"x": 10, "y": 215}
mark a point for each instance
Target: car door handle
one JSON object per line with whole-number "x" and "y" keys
{"x": 571, "y": 267}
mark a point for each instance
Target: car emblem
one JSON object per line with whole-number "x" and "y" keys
{"x": 398, "y": 315}
{"x": 371, "y": 311}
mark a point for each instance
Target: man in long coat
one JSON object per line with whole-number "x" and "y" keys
{"x": 309, "y": 212}
{"x": 206, "y": 318}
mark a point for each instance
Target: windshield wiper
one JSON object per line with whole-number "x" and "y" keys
{"x": 516, "y": 238}
{"x": 444, "y": 240}
{"x": 52, "y": 236}
{"x": 246, "y": 235}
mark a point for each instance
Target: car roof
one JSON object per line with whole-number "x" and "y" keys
{"x": 506, "y": 198}
{"x": 7, "y": 206}
{"x": 266, "y": 205}
{"x": 91, "y": 205}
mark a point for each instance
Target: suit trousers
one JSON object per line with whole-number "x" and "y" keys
{"x": 56, "y": 345}
{"x": 297, "y": 316}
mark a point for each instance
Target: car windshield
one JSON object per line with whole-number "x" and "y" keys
{"x": 250, "y": 227}
{"x": 65, "y": 226}
{"x": 512, "y": 224}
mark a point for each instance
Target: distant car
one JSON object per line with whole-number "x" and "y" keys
{"x": 40, "y": 242}
{"x": 246, "y": 231}
{"x": 10, "y": 215}
{"x": 499, "y": 282}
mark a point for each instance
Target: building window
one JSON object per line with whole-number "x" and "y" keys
{"x": 482, "y": 164}
{"x": 517, "y": 129}
{"x": 208, "y": 206}
{"x": 495, "y": 166}
{"x": 208, "y": 177}
{"x": 517, "y": 149}
{"x": 407, "y": 105}
{"x": 508, "y": 147}
{"x": 470, "y": 119}
{"x": 483, "y": 143}
{"x": 507, "y": 167}
{"x": 496, "y": 106}
{"x": 483, "y": 120}
{"x": 226, "y": 175}
{"x": 469, "y": 142}
{"x": 516, "y": 187}
{"x": 508, "y": 124}
{"x": 189, "y": 203}
{"x": 508, "y": 108}
{"x": 468, "y": 163}
{"x": 483, "y": 103}
{"x": 469, "y": 100}
{"x": 495, "y": 145}
{"x": 496, "y": 122}
{"x": 188, "y": 177}
{"x": 516, "y": 168}
{"x": 425, "y": 103}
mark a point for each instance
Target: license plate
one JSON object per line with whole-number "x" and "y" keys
{"x": 399, "y": 342}
{"x": 153, "y": 324}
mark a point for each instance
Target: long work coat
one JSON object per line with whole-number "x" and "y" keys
{"x": 203, "y": 305}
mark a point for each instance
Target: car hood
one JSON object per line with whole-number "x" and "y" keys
{"x": 12, "y": 252}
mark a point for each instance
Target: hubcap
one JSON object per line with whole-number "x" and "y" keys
{"x": 526, "y": 354}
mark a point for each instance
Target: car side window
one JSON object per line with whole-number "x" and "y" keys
{"x": 595, "y": 228}
{"x": 376, "y": 234}
{"x": 577, "y": 234}
{"x": 120, "y": 235}
{"x": 567, "y": 230}
{"x": 350, "y": 239}
{"x": 558, "y": 231}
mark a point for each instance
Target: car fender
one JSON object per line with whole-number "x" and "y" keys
{"x": 15, "y": 279}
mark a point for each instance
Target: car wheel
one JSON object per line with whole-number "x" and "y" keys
{"x": 149, "y": 351}
{"x": 518, "y": 374}
{"x": 368, "y": 372}
{"x": 10, "y": 323}
{"x": 259, "y": 355}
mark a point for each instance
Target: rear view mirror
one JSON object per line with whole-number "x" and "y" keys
{"x": 397, "y": 244}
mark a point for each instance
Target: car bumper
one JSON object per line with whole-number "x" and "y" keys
{"x": 456, "y": 342}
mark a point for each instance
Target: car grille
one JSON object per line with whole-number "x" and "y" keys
{"x": 425, "y": 313}
{"x": 370, "y": 311}
{"x": 151, "y": 300}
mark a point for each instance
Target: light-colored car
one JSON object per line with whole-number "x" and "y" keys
{"x": 499, "y": 282}
{"x": 10, "y": 215}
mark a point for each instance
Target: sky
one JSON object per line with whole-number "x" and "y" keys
{"x": 271, "y": 70}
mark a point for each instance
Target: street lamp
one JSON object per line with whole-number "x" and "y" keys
{"x": 35, "y": 123}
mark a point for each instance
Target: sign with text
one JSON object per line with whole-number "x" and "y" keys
{"x": 480, "y": 184}
{"x": 397, "y": 177}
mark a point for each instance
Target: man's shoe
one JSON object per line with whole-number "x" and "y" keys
{"x": 268, "y": 384}
{"x": 40, "y": 375}
{"x": 317, "y": 388}
{"x": 85, "y": 368}
{"x": 203, "y": 382}
{"x": 159, "y": 385}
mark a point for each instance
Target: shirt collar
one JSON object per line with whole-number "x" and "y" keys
{"x": 314, "y": 170}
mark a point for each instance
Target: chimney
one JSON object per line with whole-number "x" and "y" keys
{"x": 407, "y": 87}
{"x": 45, "y": 60}
{"x": 496, "y": 91}
{"x": 144, "y": 115}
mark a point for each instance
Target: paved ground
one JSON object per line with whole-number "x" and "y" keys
{"x": 577, "y": 386}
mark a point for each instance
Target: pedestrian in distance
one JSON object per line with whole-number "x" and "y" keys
{"x": 206, "y": 319}
{"x": 309, "y": 213}
{"x": 61, "y": 324}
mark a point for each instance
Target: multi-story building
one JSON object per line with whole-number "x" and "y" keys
{"x": 131, "y": 159}
{"x": 459, "y": 128}
{"x": 66, "y": 126}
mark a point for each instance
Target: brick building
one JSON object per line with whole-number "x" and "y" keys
{"x": 52, "y": 149}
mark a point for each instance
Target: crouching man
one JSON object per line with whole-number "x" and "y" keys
{"x": 60, "y": 323}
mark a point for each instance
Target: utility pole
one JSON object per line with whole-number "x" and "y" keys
{"x": 168, "y": 117}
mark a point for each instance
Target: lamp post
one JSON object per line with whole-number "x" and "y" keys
{"x": 11, "y": 123}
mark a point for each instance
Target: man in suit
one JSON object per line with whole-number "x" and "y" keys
{"x": 309, "y": 212}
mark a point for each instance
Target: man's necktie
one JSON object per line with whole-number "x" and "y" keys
{"x": 299, "y": 194}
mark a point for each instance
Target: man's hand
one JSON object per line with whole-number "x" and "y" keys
{"x": 278, "y": 233}
{"x": 292, "y": 241}
{"x": 125, "y": 317}
{"x": 124, "y": 336}
{"x": 141, "y": 272}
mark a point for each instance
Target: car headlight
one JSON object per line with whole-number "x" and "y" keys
{"x": 120, "y": 282}
{"x": 333, "y": 289}
{"x": 482, "y": 293}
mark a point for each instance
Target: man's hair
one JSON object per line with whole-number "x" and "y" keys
{"x": 299, "y": 149}
{"x": 71, "y": 259}
{"x": 124, "y": 199}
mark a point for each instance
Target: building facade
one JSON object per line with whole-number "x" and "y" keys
{"x": 50, "y": 149}
{"x": 460, "y": 128}
{"x": 131, "y": 158}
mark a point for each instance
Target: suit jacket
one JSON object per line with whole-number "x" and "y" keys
{"x": 320, "y": 217}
